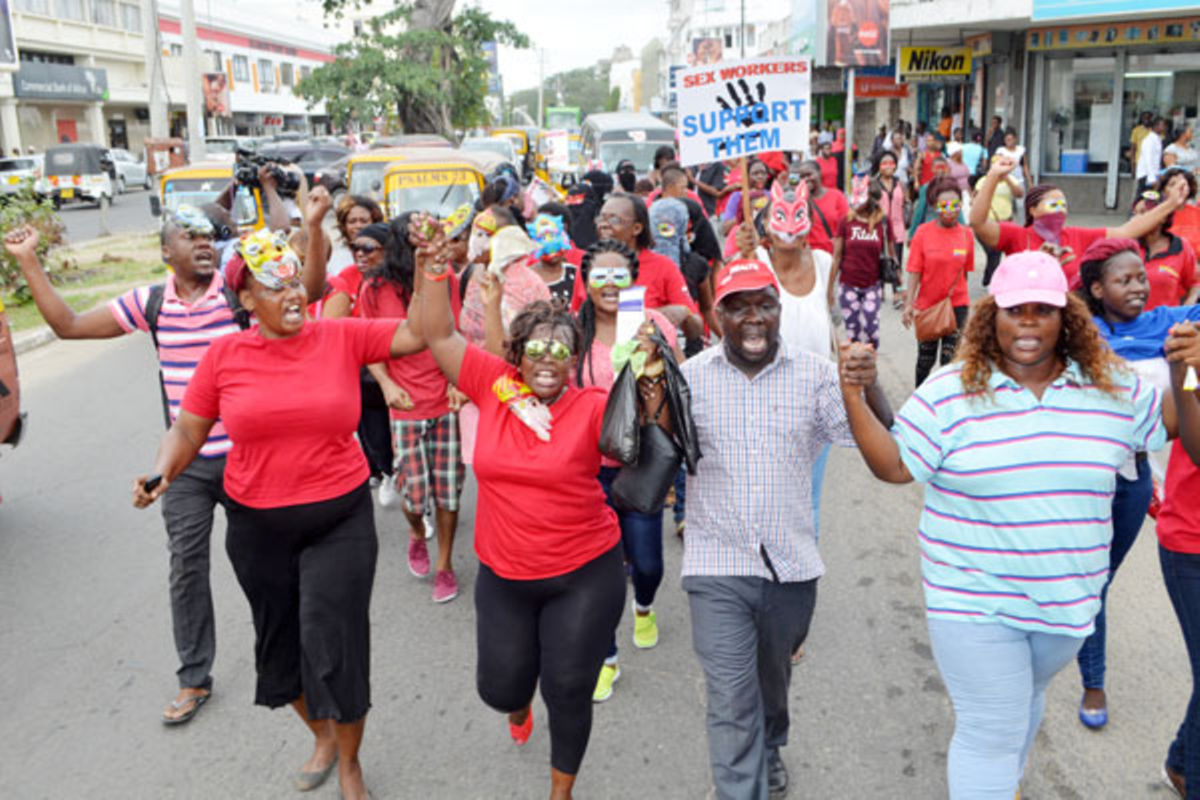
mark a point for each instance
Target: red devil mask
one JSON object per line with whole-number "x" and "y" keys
{"x": 787, "y": 218}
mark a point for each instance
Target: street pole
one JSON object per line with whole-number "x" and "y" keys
{"x": 154, "y": 76}
{"x": 541, "y": 86}
{"x": 191, "y": 79}
{"x": 848, "y": 156}
{"x": 742, "y": 32}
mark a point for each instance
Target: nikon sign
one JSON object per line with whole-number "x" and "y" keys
{"x": 934, "y": 63}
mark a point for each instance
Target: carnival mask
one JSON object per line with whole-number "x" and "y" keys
{"x": 788, "y": 216}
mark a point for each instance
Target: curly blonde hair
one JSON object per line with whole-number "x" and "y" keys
{"x": 1078, "y": 341}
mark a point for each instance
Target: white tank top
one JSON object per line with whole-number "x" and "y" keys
{"x": 804, "y": 322}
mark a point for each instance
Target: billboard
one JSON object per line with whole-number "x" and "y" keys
{"x": 707, "y": 50}
{"x": 1063, "y": 9}
{"x": 42, "y": 81}
{"x": 857, "y": 33}
{"x": 935, "y": 64}
{"x": 215, "y": 86}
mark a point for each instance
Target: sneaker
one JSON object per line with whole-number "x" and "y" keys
{"x": 388, "y": 495}
{"x": 609, "y": 674}
{"x": 445, "y": 586}
{"x": 645, "y": 630}
{"x": 418, "y": 557}
{"x": 777, "y": 774}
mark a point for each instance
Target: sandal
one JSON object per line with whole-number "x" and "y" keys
{"x": 178, "y": 705}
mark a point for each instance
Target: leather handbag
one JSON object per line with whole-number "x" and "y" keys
{"x": 935, "y": 322}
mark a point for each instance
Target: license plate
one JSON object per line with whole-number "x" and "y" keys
{"x": 13, "y": 180}
{"x": 68, "y": 193}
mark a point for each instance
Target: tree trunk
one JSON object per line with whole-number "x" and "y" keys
{"x": 420, "y": 118}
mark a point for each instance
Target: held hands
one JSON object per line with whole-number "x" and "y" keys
{"x": 395, "y": 396}
{"x": 142, "y": 498}
{"x": 22, "y": 241}
{"x": 857, "y": 369}
{"x": 1182, "y": 349}
{"x": 319, "y": 203}
{"x": 456, "y": 399}
{"x": 426, "y": 235}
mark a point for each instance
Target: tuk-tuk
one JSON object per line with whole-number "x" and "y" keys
{"x": 525, "y": 146}
{"x": 198, "y": 184}
{"x": 363, "y": 172}
{"x": 78, "y": 172}
{"x": 436, "y": 182}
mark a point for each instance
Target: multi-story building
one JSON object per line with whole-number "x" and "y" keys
{"x": 84, "y": 73}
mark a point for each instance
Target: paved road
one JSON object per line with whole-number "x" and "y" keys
{"x": 130, "y": 213}
{"x": 86, "y": 659}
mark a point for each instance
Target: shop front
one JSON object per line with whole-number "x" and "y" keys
{"x": 942, "y": 79}
{"x": 58, "y": 103}
{"x": 1090, "y": 84}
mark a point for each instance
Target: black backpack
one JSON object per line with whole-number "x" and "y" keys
{"x": 154, "y": 301}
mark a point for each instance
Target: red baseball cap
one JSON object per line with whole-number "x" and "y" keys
{"x": 744, "y": 275}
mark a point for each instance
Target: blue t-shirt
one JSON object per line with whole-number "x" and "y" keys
{"x": 1143, "y": 337}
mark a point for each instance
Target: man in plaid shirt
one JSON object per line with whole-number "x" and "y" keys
{"x": 750, "y": 563}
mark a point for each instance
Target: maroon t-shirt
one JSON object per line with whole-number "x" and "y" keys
{"x": 862, "y": 245}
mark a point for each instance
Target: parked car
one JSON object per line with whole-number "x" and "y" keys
{"x": 310, "y": 157}
{"x": 78, "y": 172}
{"x": 131, "y": 171}
{"x": 19, "y": 170}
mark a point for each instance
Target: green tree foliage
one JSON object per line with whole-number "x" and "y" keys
{"x": 26, "y": 207}
{"x": 586, "y": 88}
{"x": 430, "y": 79}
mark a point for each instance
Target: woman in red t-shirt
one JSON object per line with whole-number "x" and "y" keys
{"x": 301, "y": 529}
{"x": 1170, "y": 260}
{"x": 939, "y": 257}
{"x": 861, "y": 241}
{"x": 551, "y": 581}
{"x": 1045, "y": 221}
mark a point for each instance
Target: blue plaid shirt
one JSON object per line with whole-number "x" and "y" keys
{"x": 753, "y": 488}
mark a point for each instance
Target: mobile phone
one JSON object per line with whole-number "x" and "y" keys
{"x": 151, "y": 483}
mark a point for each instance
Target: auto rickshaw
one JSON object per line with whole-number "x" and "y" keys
{"x": 198, "y": 184}
{"x": 75, "y": 172}
{"x": 438, "y": 182}
{"x": 525, "y": 146}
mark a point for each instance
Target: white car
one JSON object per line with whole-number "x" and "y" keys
{"x": 131, "y": 171}
{"x": 19, "y": 170}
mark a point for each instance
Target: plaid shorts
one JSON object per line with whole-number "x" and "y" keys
{"x": 428, "y": 459}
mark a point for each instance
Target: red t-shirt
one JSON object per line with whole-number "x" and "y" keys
{"x": 1179, "y": 518}
{"x": 829, "y": 172}
{"x": 664, "y": 283}
{"x": 943, "y": 257}
{"x": 540, "y": 511}
{"x": 1172, "y": 274}
{"x": 835, "y": 207}
{"x": 291, "y": 407}
{"x": 348, "y": 282}
{"x": 862, "y": 245}
{"x": 926, "y": 168}
{"x": 1187, "y": 224}
{"x": 1016, "y": 238}
{"x": 574, "y": 256}
{"x": 417, "y": 374}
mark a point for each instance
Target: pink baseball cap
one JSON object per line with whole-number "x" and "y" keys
{"x": 1029, "y": 277}
{"x": 743, "y": 275}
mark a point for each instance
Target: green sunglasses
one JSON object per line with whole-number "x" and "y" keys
{"x": 536, "y": 349}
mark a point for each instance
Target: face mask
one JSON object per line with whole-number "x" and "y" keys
{"x": 949, "y": 206}
{"x": 1049, "y": 226}
{"x": 547, "y": 232}
{"x": 788, "y": 217}
{"x": 269, "y": 258}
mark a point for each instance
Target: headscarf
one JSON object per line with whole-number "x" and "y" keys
{"x": 668, "y": 226}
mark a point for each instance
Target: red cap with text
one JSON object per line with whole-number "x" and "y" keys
{"x": 744, "y": 275}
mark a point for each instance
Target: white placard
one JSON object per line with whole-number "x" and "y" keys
{"x": 740, "y": 108}
{"x": 558, "y": 153}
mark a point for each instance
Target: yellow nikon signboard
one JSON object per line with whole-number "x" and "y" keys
{"x": 934, "y": 63}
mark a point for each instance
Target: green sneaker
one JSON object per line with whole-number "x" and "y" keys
{"x": 609, "y": 674}
{"x": 645, "y": 630}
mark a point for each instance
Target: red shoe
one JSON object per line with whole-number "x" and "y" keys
{"x": 520, "y": 733}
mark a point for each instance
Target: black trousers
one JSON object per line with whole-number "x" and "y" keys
{"x": 927, "y": 352}
{"x": 375, "y": 429}
{"x": 556, "y": 629}
{"x": 307, "y": 571}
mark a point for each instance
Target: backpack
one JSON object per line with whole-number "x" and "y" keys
{"x": 154, "y": 301}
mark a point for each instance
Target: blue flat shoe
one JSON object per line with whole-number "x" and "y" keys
{"x": 1093, "y": 718}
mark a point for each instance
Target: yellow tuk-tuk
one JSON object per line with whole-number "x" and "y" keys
{"x": 198, "y": 184}
{"x": 526, "y": 142}
{"x": 364, "y": 171}
{"x": 436, "y": 181}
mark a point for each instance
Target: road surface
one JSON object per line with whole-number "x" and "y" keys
{"x": 130, "y": 213}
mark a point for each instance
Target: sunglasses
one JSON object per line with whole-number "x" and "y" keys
{"x": 949, "y": 206}
{"x": 365, "y": 248}
{"x": 615, "y": 220}
{"x": 536, "y": 349}
{"x": 620, "y": 277}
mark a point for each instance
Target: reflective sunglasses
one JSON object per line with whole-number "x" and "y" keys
{"x": 536, "y": 349}
{"x": 365, "y": 248}
{"x": 620, "y": 277}
{"x": 949, "y": 206}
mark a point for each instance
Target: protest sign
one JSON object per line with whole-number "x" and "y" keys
{"x": 739, "y": 108}
{"x": 558, "y": 156}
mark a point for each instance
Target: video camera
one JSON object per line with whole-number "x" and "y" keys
{"x": 245, "y": 172}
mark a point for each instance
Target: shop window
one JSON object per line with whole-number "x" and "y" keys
{"x": 175, "y": 49}
{"x": 104, "y": 12}
{"x": 266, "y": 75}
{"x": 241, "y": 68}
{"x": 213, "y": 59}
{"x": 33, "y": 6}
{"x": 70, "y": 9}
{"x": 1168, "y": 86}
{"x": 1081, "y": 115}
{"x": 47, "y": 58}
{"x": 286, "y": 77}
{"x": 131, "y": 17}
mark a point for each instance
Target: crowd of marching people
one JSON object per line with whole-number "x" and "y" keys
{"x": 498, "y": 338}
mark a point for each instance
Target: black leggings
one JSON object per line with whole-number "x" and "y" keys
{"x": 557, "y": 629}
{"x": 307, "y": 571}
{"x": 927, "y": 352}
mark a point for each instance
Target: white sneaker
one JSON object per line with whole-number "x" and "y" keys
{"x": 389, "y": 495}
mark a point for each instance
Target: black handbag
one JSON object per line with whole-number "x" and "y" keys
{"x": 889, "y": 268}
{"x": 620, "y": 427}
{"x": 643, "y": 486}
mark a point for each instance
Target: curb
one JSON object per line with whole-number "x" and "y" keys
{"x": 29, "y": 340}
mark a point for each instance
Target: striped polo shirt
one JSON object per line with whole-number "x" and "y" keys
{"x": 184, "y": 334}
{"x": 1018, "y": 503}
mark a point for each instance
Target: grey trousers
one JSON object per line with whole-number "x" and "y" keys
{"x": 187, "y": 510}
{"x": 744, "y": 630}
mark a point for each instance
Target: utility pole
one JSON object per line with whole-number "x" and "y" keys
{"x": 191, "y": 77}
{"x": 154, "y": 75}
{"x": 541, "y": 117}
{"x": 742, "y": 31}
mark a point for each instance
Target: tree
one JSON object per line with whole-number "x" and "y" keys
{"x": 416, "y": 62}
{"x": 585, "y": 87}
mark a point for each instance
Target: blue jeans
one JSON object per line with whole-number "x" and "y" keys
{"x": 996, "y": 676}
{"x": 641, "y": 535}
{"x": 1129, "y": 506}
{"x": 1181, "y": 574}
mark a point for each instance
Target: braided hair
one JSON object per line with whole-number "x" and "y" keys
{"x": 587, "y": 311}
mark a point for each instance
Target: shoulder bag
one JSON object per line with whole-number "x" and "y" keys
{"x": 938, "y": 321}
